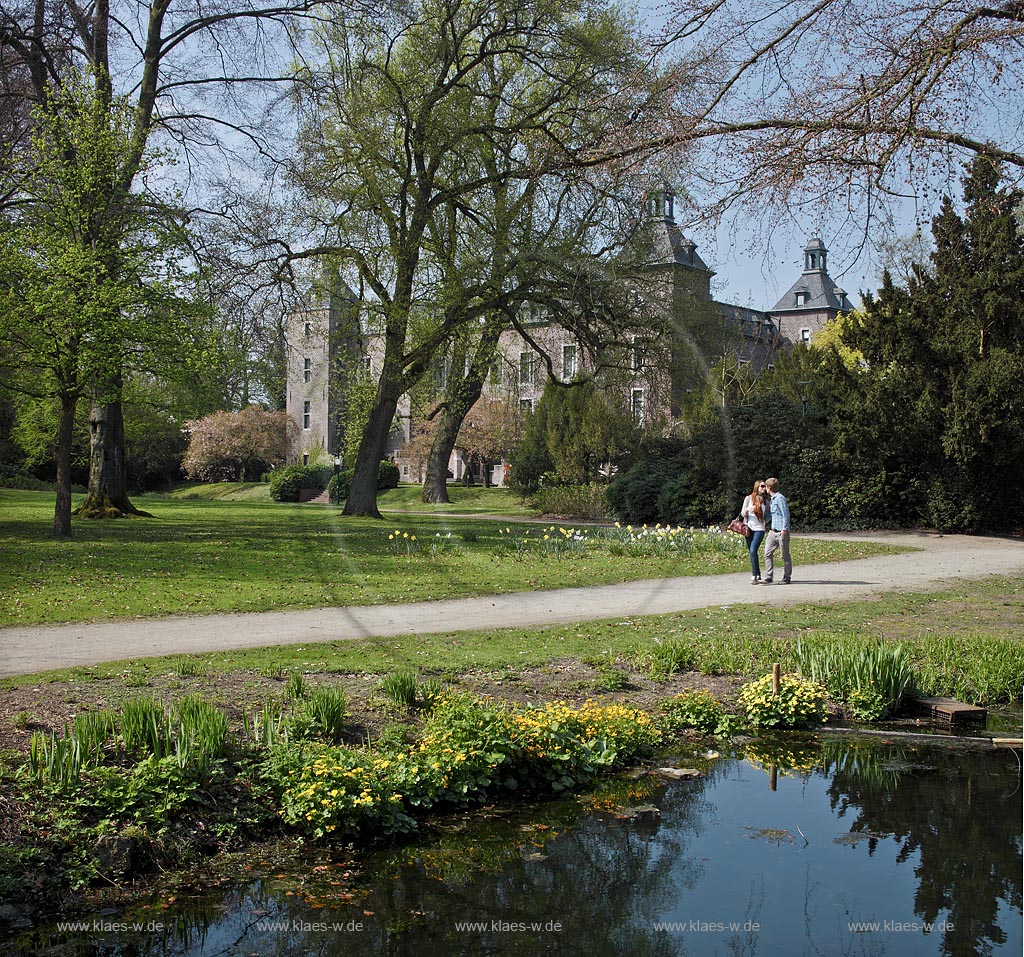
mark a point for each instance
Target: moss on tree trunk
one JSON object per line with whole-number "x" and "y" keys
{"x": 108, "y": 484}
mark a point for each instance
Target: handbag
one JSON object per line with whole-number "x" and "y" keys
{"x": 740, "y": 527}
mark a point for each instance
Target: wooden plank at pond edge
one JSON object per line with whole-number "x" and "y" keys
{"x": 949, "y": 709}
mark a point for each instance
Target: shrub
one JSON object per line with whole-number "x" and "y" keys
{"x": 339, "y": 486}
{"x": 799, "y": 704}
{"x": 698, "y": 710}
{"x": 573, "y": 501}
{"x": 287, "y": 482}
{"x": 633, "y": 495}
{"x": 468, "y": 749}
{"x": 388, "y": 475}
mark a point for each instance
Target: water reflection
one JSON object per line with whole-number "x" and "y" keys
{"x": 816, "y": 848}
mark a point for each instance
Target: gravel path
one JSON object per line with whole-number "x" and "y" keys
{"x": 940, "y": 560}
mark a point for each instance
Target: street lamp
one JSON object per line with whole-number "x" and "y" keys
{"x": 803, "y": 399}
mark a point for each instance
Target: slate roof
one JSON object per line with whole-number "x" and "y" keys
{"x": 821, "y": 291}
{"x": 665, "y": 242}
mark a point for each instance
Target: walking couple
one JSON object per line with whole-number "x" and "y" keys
{"x": 766, "y": 512}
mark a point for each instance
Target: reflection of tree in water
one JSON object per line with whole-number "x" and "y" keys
{"x": 604, "y": 878}
{"x": 954, "y": 809}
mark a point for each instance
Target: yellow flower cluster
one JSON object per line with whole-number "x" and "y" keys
{"x": 799, "y": 702}
{"x": 468, "y": 747}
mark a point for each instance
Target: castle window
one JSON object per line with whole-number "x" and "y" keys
{"x": 526, "y": 405}
{"x": 307, "y": 329}
{"x": 801, "y": 298}
{"x": 636, "y": 405}
{"x": 307, "y": 372}
{"x": 569, "y": 364}
{"x": 526, "y": 368}
{"x": 636, "y": 358}
{"x": 805, "y": 335}
{"x": 305, "y": 414}
{"x": 305, "y": 460}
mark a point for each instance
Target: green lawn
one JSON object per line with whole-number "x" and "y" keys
{"x": 475, "y": 500}
{"x": 197, "y": 556}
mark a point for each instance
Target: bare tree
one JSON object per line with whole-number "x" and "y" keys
{"x": 842, "y": 106}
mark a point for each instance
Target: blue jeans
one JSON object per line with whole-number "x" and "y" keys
{"x": 755, "y": 544}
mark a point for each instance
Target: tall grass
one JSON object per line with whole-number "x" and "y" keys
{"x": 972, "y": 668}
{"x": 62, "y": 760}
{"x": 870, "y": 674}
{"x": 399, "y": 687}
{"x": 201, "y": 736}
{"x": 267, "y": 727}
{"x": 325, "y": 709}
{"x": 664, "y": 658}
{"x": 146, "y": 727}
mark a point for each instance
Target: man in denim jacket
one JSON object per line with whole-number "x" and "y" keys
{"x": 778, "y": 537}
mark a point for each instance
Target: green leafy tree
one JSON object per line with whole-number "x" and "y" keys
{"x": 148, "y": 67}
{"x": 939, "y": 399}
{"x": 83, "y": 273}
{"x": 453, "y": 138}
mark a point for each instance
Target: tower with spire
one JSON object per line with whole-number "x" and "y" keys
{"x": 812, "y": 300}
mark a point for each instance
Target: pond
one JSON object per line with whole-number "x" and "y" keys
{"x": 818, "y": 845}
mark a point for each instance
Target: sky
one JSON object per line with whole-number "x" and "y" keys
{"x": 755, "y": 267}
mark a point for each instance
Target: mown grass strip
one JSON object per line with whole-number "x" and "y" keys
{"x": 201, "y": 557}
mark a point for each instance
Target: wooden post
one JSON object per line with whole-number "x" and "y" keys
{"x": 776, "y": 677}
{"x": 774, "y": 779}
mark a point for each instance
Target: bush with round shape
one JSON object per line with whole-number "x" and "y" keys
{"x": 799, "y": 704}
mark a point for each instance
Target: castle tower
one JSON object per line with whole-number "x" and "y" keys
{"x": 812, "y": 300}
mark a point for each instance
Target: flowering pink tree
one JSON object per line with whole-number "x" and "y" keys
{"x": 236, "y": 446}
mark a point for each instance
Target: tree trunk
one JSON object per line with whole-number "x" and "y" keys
{"x": 435, "y": 483}
{"x": 463, "y": 396}
{"x": 362, "y": 496}
{"x": 65, "y": 432}
{"x": 108, "y": 481}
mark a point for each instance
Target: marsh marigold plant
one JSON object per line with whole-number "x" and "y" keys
{"x": 799, "y": 704}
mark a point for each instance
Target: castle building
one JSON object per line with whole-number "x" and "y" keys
{"x": 332, "y": 345}
{"x": 811, "y": 301}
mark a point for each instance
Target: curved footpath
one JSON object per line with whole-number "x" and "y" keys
{"x": 940, "y": 560}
